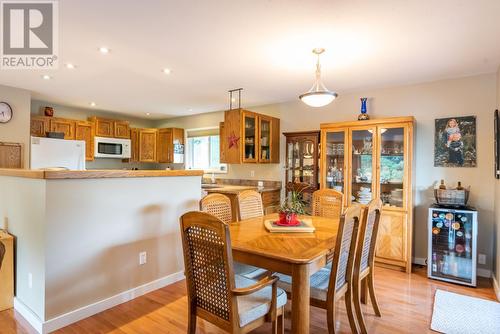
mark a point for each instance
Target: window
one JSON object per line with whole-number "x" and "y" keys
{"x": 202, "y": 151}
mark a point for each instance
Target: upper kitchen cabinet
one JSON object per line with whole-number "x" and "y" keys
{"x": 148, "y": 145}
{"x": 249, "y": 137}
{"x": 84, "y": 130}
{"x": 40, "y": 125}
{"x": 67, "y": 126}
{"x": 171, "y": 145}
{"x": 111, "y": 128}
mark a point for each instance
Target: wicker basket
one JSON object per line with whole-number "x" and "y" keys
{"x": 451, "y": 196}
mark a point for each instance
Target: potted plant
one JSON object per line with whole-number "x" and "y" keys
{"x": 290, "y": 208}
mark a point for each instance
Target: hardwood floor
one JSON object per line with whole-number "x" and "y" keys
{"x": 405, "y": 302}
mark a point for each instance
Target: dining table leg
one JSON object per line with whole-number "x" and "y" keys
{"x": 300, "y": 299}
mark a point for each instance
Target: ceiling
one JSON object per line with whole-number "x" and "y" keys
{"x": 262, "y": 46}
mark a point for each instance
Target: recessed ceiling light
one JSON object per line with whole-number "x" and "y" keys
{"x": 46, "y": 77}
{"x": 70, "y": 66}
{"x": 147, "y": 114}
{"x": 166, "y": 71}
{"x": 104, "y": 50}
{"x": 92, "y": 104}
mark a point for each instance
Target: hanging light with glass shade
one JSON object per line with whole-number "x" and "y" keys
{"x": 318, "y": 95}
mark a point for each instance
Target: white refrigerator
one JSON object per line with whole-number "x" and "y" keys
{"x": 57, "y": 153}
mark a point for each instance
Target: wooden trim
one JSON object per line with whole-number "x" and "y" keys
{"x": 371, "y": 122}
{"x": 95, "y": 174}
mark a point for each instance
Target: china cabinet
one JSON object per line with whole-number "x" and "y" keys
{"x": 249, "y": 137}
{"x": 369, "y": 159}
{"x": 302, "y": 163}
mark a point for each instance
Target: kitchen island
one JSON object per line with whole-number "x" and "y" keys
{"x": 81, "y": 236}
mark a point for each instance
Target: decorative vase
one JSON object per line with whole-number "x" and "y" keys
{"x": 49, "y": 111}
{"x": 364, "y": 115}
{"x": 288, "y": 219}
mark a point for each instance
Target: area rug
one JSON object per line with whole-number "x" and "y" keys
{"x": 458, "y": 314}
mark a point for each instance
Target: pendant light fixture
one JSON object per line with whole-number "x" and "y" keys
{"x": 318, "y": 95}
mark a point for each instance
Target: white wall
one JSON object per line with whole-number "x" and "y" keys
{"x": 458, "y": 97}
{"x": 18, "y": 129}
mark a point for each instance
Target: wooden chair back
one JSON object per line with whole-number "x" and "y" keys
{"x": 2, "y": 253}
{"x": 345, "y": 247}
{"x": 250, "y": 204}
{"x": 365, "y": 253}
{"x": 209, "y": 268}
{"x": 327, "y": 203}
{"x": 218, "y": 205}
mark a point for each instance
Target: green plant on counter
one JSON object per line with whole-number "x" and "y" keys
{"x": 293, "y": 203}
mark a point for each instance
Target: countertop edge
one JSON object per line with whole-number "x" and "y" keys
{"x": 95, "y": 174}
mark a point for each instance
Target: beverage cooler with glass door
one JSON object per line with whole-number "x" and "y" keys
{"x": 452, "y": 244}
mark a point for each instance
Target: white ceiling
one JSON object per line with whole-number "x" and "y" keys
{"x": 262, "y": 46}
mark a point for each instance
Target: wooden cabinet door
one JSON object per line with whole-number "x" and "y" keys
{"x": 147, "y": 145}
{"x": 250, "y": 136}
{"x": 63, "y": 125}
{"x": 178, "y": 136}
{"x": 165, "y": 146}
{"x": 40, "y": 125}
{"x": 11, "y": 155}
{"x": 85, "y": 130}
{"x": 134, "y": 141}
{"x": 222, "y": 143}
{"x": 121, "y": 129}
{"x": 104, "y": 127}
{"x": 391, "y": 244}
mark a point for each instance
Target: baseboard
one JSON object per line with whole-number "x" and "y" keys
{"x": 100, "y": 306}
{"x": 28, "y": 315}
{"x": 496, "y": 287}
{"x": 480, "y": 271}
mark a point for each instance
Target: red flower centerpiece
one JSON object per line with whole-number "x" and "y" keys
{"x": 291, "y": 207}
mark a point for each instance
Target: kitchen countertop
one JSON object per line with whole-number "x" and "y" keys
{"x": 233, "y": 189}
{"x": 94, "y": 174}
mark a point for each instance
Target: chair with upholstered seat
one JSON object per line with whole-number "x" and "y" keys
{"x": 332, "y": 282}
{"x": 219, "y": 205}
{"x": 364, "y": 261}
{"x": 231, "y": 302}
{"x": 327, "y": 203}
{"x": 250, "y": 204}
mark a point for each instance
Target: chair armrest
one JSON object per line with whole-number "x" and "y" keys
{"x": 270, "y": 280}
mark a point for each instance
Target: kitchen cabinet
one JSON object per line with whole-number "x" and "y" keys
{"x": 370, "y": 159}
{"x": 148, "y": 145}
{"x": 39, "y": 126}
{"x": 11, "y": 155}
{"x": 302, "y": 163}
{"x": 170, "y": 140}
{"x": 122, "y": 129}
{"x": 134, "y": 141}
{"x": 67, "y": 126}
{"x": 250, "y": 137}
{"x": 85, "y": 130}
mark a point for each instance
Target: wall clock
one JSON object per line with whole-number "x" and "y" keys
{"x": 5, "y": 112}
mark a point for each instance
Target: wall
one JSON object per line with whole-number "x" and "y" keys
{"x": 496, "y": 280}
{"x": 458, "y": 97}
{"x": 37, "y": 108}
{"x": 18, "y": 129}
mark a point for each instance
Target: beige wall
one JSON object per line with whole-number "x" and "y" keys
{"x": 18, "y": 129}
{"x": 458, "y": 97}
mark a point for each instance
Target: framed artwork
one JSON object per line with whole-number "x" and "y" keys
{"x": 455, "y": 142}
{"x": 497, "y": 145}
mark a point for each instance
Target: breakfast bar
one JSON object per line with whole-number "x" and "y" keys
{"x": 67, "y": 261}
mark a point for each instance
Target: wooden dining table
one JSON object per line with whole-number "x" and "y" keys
{"x": 296, "y": 254}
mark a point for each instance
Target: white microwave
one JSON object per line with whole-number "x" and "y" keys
{"x": 112, "y": 148}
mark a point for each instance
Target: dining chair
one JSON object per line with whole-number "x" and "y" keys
{"x": 215, "y": 294}
{"x": 219, "y": 205}
{"x": 364, "y": 261}
{"x": 327, "y": 203}
{"x": 2, "y": 253}
{"x": 332, "y": 282}
{"x": 250, "y": 204}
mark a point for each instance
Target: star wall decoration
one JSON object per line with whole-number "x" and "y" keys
{"x": 233, "y": 140}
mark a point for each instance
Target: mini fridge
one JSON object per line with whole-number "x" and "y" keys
{"x": 452, "y": 252}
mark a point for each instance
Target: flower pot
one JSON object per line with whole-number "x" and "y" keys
{"x": 288, "y": 219}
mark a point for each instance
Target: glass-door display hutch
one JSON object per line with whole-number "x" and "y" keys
{"x": 302, "y": 163}
{"x": 370, "y": 159}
